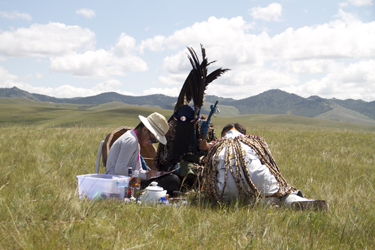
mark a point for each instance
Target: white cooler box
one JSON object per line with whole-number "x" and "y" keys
{"x": 102, "y": 186}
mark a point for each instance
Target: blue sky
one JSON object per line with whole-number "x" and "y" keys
{"x": 83, "y": 48}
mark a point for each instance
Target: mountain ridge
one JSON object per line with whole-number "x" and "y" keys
{"x": 272, "y": 101}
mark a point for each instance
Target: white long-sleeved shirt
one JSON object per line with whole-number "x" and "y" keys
{"x": 260, "y": 175}
{"x": 124, "y": 153}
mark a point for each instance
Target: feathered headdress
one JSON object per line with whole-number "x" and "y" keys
{"x": 197, "y": 81}
{"x": 185, "y": 115}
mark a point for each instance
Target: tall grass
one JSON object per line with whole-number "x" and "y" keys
{"x": 40, "y": 209}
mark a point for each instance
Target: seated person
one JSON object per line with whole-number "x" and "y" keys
{"x": 184, "y": 148}
{"x": 240, "y": 166}
{"x": 125, "y": 151}
{"x": 182, "y": 151}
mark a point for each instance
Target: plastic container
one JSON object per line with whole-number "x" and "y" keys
{"x": 102, "y": 186}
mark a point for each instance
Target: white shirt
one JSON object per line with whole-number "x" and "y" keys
{"x": 260, "y": 175}
{"x": 124, "y": 153}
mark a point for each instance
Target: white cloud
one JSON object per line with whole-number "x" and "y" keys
{"x": 341, "y": 82}
{"x": 154, "y": 44}
{"x": 308, "y": 66}
{"x": 361, "y": 2}
{"x": 272, "y": 12}
{"x": 177, "y": 63}
{"x": 343, "y": 4}
{"x": 15, "y": 15}
{"x": 87, "y": 13}
{"x": 125, "y": 45}
{"x": 101, "y": 63}
{"x": 347, "y": 17}
{"x": 260, "y": 62}
{"x": 68, "y": 91}
{"x": 45, "y": 40}
{"x": 225, "y": 40}
{"x": 248, "y": 81}
{"x": 8, "y": 80}
{"x": 173, "y": 79}
{"x": 109, "y": 84}
{"x": 6, "y": 77}
{"x": 64, "y": 91}
{"x": 329, "y": 59}
{"x": 165, "y": 91}
{"x": 214, "y": 31}
{"x": 348, "y": 38}
{"x": 358, "y": 3}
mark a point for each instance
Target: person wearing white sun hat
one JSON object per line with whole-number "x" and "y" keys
{"x": 157, "y": 125}
{"x": 125, "y": 151}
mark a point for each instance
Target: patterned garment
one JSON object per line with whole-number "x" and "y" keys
{"x": 242, "y": 166}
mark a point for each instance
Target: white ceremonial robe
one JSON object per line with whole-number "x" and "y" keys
{"x": 260, "y": 175}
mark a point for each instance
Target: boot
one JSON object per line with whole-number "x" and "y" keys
{"x": 315, "y": 205}
{"x": 296, "y": 201}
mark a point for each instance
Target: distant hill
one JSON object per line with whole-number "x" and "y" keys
{"x": 270, "y": 102}
{"x": 280, "y": 102}
{"x": 339, "y": 113}
{"x": 151, "y": 100}
{"x": 366, "y": 108}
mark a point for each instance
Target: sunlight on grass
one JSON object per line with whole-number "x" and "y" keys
{"x": 40, "y": 209}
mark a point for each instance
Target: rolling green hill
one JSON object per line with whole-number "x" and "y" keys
{"x": 23, "y": 112}
{"x": 280, "y": 102}
{"x": 339, "y": 113}
{"x": 365, "y": 108}
{"x": 270, "y": 102}
{"x": 20, "y": 111}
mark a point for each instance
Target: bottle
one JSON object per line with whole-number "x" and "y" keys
{"x": 130, "y": 171}
{"x": 135, "y": 184}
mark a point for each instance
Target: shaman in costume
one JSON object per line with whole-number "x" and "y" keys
{"x": 185, "y": 129}
{"x": 241, "y": 167}
{"x": 181, "y": 150}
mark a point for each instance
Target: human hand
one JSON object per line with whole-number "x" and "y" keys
{"x": 203, "y": 160}
{"x": 203, "y": 145}
{"x": 151, "y": 173}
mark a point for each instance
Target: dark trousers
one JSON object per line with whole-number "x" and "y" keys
{"x": 169, "y": 182}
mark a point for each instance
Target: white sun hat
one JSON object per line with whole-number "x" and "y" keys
{"x": 157, "y": 124}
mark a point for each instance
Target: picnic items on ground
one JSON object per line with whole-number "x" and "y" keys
{"x": 153, "y": 194}
{"x": 135, "y": 185}
{"x": 102, "y": 186}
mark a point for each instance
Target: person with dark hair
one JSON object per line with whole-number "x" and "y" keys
{"x": 205, "y": 145}
{"x": 241, "y": 166}
{"x": 229, "y": 126}
{"x": 125, "y": 151}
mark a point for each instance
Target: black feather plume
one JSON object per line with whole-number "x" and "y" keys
{"x": 197, "y": 81}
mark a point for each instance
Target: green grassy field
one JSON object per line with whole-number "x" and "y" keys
{"x": 44, "y": 148}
